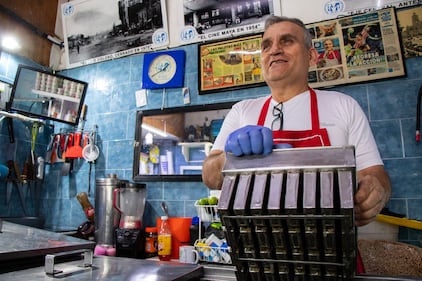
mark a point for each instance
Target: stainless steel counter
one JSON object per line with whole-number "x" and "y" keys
{"x": 112, "y": 269}
{"x": 20, "y": 242}
{"x": 218, "y": 272}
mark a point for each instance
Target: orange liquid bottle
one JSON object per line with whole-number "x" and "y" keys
{"x": 164, "y": 240}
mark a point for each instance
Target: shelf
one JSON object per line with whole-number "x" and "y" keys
{"x": 186, "y": 146}
{"x": 56, "y": 96}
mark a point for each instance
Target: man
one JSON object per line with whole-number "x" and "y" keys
{"x": 300, "y": 116}
{"x": 330, "y": 56}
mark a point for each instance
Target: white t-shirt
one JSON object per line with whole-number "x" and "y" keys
{"x": 341, "y": 115}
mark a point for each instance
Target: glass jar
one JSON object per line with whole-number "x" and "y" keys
{"x": 150, "y": 242}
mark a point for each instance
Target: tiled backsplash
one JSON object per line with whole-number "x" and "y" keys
{"x": 389, "y": 104}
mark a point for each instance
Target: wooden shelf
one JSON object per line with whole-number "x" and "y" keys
{"x": 56, "y": 96}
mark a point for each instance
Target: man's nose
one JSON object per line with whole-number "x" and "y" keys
{"x": 276, "y": 49}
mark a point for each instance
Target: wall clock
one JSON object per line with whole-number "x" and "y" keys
{"x": 163, "y": 69}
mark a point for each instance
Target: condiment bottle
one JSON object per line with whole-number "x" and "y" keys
{"x": 164, "y": 240}
{"x": 150, "y": 242}
{"x": 86, "y": 205}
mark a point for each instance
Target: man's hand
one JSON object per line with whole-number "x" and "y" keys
{"x": 249, "y": 140}
{"x": 372, "y": 194}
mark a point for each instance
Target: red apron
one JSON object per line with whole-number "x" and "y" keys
{"x": 309, "y": 138}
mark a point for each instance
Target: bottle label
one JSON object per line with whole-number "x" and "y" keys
{"x": 151, "y": 245}
{"x": 164, "y": 245}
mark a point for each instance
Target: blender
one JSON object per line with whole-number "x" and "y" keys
{"x": 129, "y": 201}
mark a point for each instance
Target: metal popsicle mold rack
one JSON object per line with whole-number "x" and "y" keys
{"x": 289, "y": 215}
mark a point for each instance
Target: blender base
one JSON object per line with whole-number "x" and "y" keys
{"x": 130, "y": 243}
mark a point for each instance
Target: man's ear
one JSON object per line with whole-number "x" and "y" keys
{"x": 313, "y": 56}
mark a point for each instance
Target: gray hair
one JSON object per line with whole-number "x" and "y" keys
{"x": 276, "y": 19}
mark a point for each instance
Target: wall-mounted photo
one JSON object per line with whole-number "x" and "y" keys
{"x": 356, "y": 48}
{"x": 213, "y": 20}
{"x": 410, "y": 23}
{"x": 230, "y": 64}
{"x": 99, "y": 30}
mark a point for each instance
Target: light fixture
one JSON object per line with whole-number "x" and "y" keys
{"x": 10, "y": 43}
{"x": 154, "y": 130}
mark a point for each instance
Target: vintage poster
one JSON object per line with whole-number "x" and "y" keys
{"x": 230, "y": 64}
{"x": 356, "y": 48}
{"x": 99, "y": 30}
{"x": 206, "y": 20}
{"x": 410, "y": 23}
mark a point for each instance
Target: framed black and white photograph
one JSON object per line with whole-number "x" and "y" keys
{"x": 410, "y": 23}
{"x": 207, "y": 20}
{"x": 99, "y": 30}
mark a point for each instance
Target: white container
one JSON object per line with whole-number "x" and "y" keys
{"x": 378, "y": 231}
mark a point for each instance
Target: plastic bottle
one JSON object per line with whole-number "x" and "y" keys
{"x": 86, "y": 205}
{"x": 164, "y": 240}
{"x": 194, "y": 230}
{"x": 150, "y": 242}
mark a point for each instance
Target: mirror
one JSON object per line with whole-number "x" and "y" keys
{"x": 38, "y": 93}
{"x": 5, "y": 91}
{"x": 173, "y": 143}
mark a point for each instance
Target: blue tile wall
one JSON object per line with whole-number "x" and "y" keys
{"x": 389, "y": 104}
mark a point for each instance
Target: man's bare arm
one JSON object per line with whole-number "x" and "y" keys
{"x": 212, "y": 168}
{"x": 374, "y": 190}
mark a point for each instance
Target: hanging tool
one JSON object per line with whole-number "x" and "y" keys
{"x": 90, "y": 152}
{"x": 67, "y": 165}
{"x": 76, "y": 150}
{"x": 14, "y": 180}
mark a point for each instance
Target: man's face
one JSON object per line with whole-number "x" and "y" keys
{"x": 284, "y": 55}
{"x": 328, "y": 44}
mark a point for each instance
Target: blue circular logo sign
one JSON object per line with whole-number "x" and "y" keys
{"x": 334, "y": 7}
{"x": 68, "y": 10}
{"x": 160, "y": 37}
{"x": 188, "y": 34}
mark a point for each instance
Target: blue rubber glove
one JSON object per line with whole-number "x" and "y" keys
{"x": 249, "y": 140}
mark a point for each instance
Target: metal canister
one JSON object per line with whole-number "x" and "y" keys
{"x": 106, "y": 217}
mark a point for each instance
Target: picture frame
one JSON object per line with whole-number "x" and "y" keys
{"x": 363, "y": 47}
{"x": 42, "y": 93}
{"x": 230, "y": 64}
{"x": 182, "y": 136}
{"x": 101, "y": 30}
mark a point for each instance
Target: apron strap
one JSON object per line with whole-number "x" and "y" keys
{"x": 314, "y": 110}
{"x": 263, "y": 114}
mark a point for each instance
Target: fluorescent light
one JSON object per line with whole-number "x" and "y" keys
{"x": 10, "y": 43}
{"x": 154, "y": 130}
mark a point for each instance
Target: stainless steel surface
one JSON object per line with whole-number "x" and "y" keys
{"x": 289, "y": 215}
{"x": 20, "y": 242}
{"x": 113, "y": 269}
{"x": 324, "y": 157}
{"x": 50, "y": 260}
{"x": 106, "y": 216}
{"x": 218, "y": 272}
